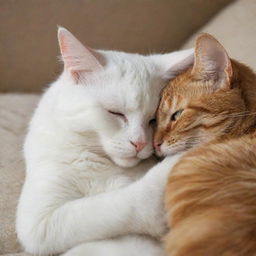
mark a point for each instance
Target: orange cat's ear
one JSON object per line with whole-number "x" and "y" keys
{"x": 212, "y": 62}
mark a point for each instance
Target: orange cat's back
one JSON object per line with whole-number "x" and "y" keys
{"x": 209, "y": 111}
{"x": 211, "y": 198}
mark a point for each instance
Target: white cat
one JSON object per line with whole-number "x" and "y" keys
{"x": 85, "y": 141}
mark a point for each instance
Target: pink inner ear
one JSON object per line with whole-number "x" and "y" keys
{"x": 77, "y": 58}
{"x": 211, "y": 59}
{"x": 76, "y": 74}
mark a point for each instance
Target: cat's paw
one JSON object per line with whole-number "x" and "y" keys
{"x": 149, "y": 201}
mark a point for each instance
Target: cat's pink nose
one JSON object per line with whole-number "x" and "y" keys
{"x": 157, "y": 145}
{"x": 139, "y": 145}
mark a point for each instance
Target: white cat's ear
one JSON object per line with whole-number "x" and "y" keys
{"x": 212, "y": 61}
{"x": 180, "y": 67}
{"x": 78, "y": 59}
{"x": 172, "y": 64}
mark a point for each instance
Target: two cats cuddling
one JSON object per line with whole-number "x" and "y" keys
{"x": 92, "y": 187}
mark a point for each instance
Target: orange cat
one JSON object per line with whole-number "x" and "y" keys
{"x": 210, "y": 111}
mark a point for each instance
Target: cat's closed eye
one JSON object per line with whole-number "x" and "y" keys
{"x": 176, "y": 115}
{"x": 118, "y": 114}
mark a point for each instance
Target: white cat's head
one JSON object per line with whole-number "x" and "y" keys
{"x": 114, "y": 95}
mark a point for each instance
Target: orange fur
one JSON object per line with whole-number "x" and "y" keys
{"x": 211, "y": 193}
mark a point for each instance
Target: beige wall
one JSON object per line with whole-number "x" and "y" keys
{"x": 28, "y": 45}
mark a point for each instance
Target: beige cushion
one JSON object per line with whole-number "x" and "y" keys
{"x": 15, "y": 111}
{"x": 17, "y": 254}
{"x": 235, "y": 28}
{"x": 28, "y": 44}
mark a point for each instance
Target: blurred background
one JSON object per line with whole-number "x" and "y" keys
{"x": 28, "y": 42}
{"x": 29, "y": 51}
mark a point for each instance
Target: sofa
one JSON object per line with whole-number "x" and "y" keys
{"x": 29, "y": 50}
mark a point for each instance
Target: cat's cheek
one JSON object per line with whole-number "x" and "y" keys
{"x": 165, "y": 150}
{"x": 169, "y": 150}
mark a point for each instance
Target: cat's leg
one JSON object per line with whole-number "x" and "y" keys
{"x": 49, "y": 222}
{"x": 124, "y": 246}
{"x": 150, "y": 193}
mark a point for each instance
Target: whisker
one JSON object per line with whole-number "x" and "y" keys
{"x": 237, "y": 114}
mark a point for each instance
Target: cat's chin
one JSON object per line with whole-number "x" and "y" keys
{"x": 126, "y": 162}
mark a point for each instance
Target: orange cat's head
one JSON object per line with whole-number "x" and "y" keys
{"x": 204, "y": 102}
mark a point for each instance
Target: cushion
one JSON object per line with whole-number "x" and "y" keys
{"x": 17, "y": 254}
{"x": 15, "y": 112}
{"x": 28, "y": 43}
{"x": 235, "y": 28}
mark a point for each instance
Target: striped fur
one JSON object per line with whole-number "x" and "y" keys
{"x": 211, "y": 193}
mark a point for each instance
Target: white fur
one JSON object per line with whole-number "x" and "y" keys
{"x": 78, "y": 189}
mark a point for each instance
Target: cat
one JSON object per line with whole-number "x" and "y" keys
{"x": 208, "y": 113}
{"x": 85, "y": 187}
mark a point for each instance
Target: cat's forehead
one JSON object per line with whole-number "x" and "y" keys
{"x": 189, "y": 86}
{"x": 172, "y": 102}
{"x": 132, "y": 96}
{"x": 182, "y": 90}
{"x": 132, "y": 70}
{"x": 133, "y": 84}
